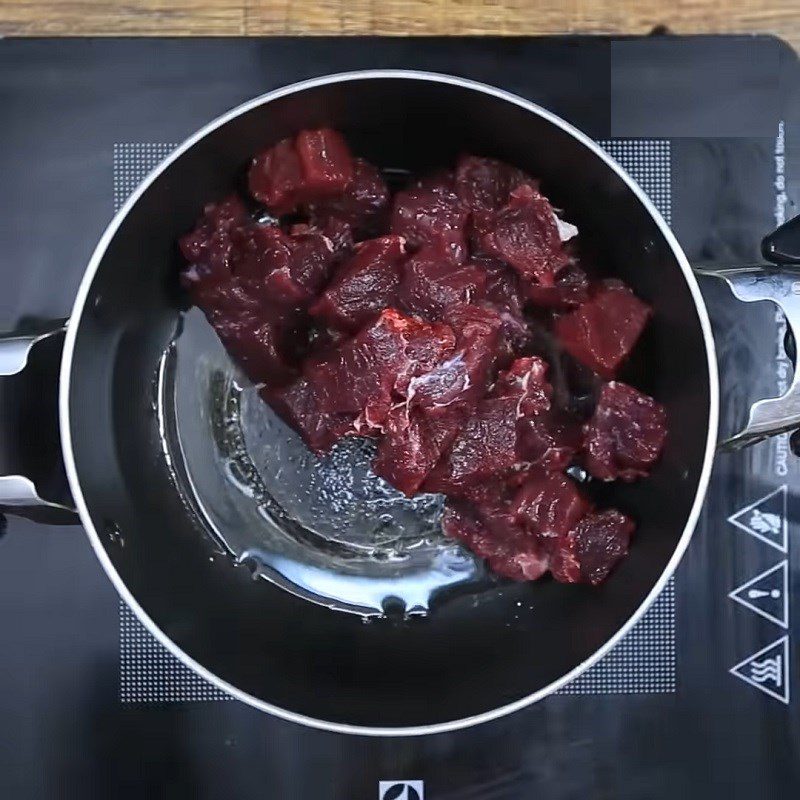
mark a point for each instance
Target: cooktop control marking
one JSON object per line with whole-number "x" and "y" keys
{"x": 767, "y": 594}
{"x": 768, "y": 670}
{"x": 401, "y": 790}
{"x": 765, "y": 519}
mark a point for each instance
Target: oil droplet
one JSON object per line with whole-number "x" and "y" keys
{"x": 112, "y": 531}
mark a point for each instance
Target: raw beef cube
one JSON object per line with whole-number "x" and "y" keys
{"x": 486, "y": 446}
{"x": 525, "y": 382}
{"x": 474, "y": 322}
{"x": 432, "y": 283}
{"x": 314, "y": 254}
{"x": 278, "y": 268}
{"x": 365, "y": 375}
{"x": 525, "y": 235}
{"x": 225, "y": 299}
{"x": 489, "y": 442}
{"x": 298, "y": 406}
{"x": 431, "y": 216}
{"x": 602, "y": 332}
{"x": 257, "y": 346}
{"x": 571, "y": 288}
{"x": 363, "y": 204}
{"x": 252, "y": 335}
{"x": 504, "y": 295}
{"x": 465, "y": 377}
{"x": 550, "y": 440}
{"x": 502, "y": 284}
{"x": 592, "y": 548}
{"x": 208, "y": 248}
{"x": 427, "y": 346}
{"x": 258, "y": 251}
{"x": 549, "y": 504}
{"x": 626, "y": 435}
{"x": 338, "y": 233}
{"x": 438, "y": 401}
{"x": 326, "y": 161}
{"x": 409, "y": 448}
{"x": 484, "y": 184}
{"x": 252, "y": 332}
{"x": 421, "y": 429}
{"x": 512, "y": 554}
{"x": 276, "y": 177}
{"x": 450, "y": 391}
{"x": 315, "y": 165}
{"x": 311, "y": 257}
{"x": 363, "y": 285}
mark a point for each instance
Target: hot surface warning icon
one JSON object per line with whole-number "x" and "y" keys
{"x": 767, "y": 594}
{"x": 765, "y": 519}
{"x": 768, "y": 670}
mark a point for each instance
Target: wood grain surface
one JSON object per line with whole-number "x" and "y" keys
{"x": 395, "y": 17}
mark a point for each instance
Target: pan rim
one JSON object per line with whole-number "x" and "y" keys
{"x": 94, "y": 537}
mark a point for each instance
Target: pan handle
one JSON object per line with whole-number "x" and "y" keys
{"x": 778, "y": 283}
{"x": 33, "y": 481}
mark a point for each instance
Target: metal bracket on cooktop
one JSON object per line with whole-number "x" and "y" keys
{"x": 32, "y": 480}
{"x": 750, "y": 284}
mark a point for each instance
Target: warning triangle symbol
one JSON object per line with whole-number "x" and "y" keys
{"x": 765, "y": 519}
{"x": 767, "y": 594}
{"x": 768, "y": 670}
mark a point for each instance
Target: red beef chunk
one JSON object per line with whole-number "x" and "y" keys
{"x": 364, "y": 377}
{"x": 571, "y": 288}
{"x": 250, "y": 280}
{"x": 503, "y": 294}
{"x": 525, "y": 235}
{"x": 486, "y": 445}
{"x": 592, "y": 548}
{"x": 284, "y": 269}
{"x": 208, "y": 248}
{"x": 525, "y": 381}
{"x": 548, "y": 504}
{"x": 439, "y": 401}
{"x": 315, "y": 165}
{"x": 626, "y": 435}
{"x": 363, "y": 205}
{"x": 255, "y": 336}
{"x": 337, "y": 232}
{"x": 484, "y": 184}
{"x": 509, "y": 550}
{"x": 429, "y": 216}
{"x": 433, "y": 283}
{"x": 363, "y": 285}
{"x": 413, "y": 442}
{"x": 550, "y": 441}
{"x": 298, "y": 405}
{"x": 544, "y": 525}
{"x": 602, "y": 332}
{"x": 489, "y": 442}
{"x": 307, "y": 257}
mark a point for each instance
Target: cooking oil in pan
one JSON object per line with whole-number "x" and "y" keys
{"x": 326, "y": 528}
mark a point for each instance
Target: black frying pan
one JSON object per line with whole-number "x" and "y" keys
{"x": 368, "y": 620}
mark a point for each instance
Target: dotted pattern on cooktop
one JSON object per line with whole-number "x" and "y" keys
{"x": 644, "y": 662}
{"x": 649, "y": 163}
{"x": 149, "y": 673}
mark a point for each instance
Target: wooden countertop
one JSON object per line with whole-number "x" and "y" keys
{"x": 395, "y": 17}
